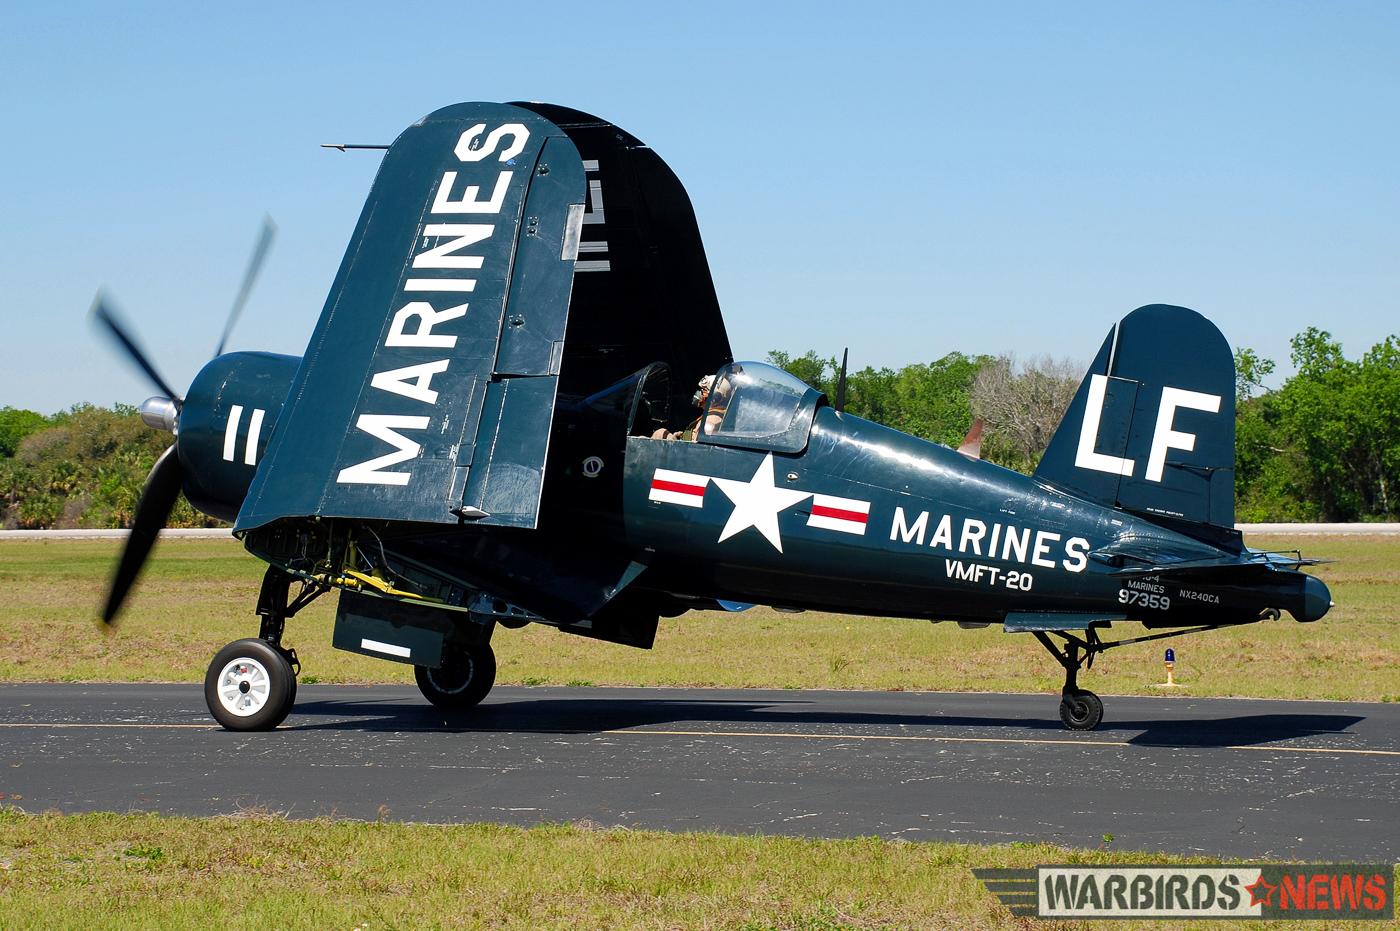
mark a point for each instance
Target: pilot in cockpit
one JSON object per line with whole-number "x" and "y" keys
{"x": 710, "y": 416}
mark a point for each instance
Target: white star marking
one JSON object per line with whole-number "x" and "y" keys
{"x": 757, "y": 503}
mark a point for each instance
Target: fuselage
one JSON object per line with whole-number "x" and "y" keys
{"x": 889, "y": 524}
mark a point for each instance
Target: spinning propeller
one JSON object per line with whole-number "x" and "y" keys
{"x": 162, "y": 412}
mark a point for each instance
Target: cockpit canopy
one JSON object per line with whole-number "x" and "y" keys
{"x": 758, "y": 406}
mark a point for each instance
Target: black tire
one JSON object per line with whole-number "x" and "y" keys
{"x": 256, "y": 697}
{"x": 290, "y": 655}
{"x": 1081, "y": 710}
{"x": 466, "y": 675}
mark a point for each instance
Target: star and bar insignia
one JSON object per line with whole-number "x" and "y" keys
{"x": 758, "y": 501}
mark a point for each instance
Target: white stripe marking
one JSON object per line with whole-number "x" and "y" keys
{"x": 235, "y": 414}
{"x": 250, "y": 452}
{"x": 685, "y": 478}
{"x": 440, "y": 284}
{"x": 677, "y": 497}
{"x": 392, "y": 649}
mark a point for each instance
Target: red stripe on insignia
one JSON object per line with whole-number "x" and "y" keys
{"x": 660, "y": 484}
{"x": 819, "y": 510}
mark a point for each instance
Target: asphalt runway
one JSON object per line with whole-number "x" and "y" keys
{"x": 1228, "y": 777}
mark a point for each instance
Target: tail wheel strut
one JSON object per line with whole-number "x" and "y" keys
{"x": 1080, "y": 709}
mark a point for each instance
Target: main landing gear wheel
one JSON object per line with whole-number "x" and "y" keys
{"x": 466, "y": 675}
{"x": 250, "y": 686}
{"x": 1081, "y": 710}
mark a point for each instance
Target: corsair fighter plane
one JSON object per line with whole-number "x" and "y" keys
{"x": 480, "y": 436}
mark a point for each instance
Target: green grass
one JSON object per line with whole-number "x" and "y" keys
{"x": 199, "y": 595}
{"x": 150, "y": 871}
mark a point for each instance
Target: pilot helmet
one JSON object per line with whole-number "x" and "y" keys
{"x": 705, "y": 384}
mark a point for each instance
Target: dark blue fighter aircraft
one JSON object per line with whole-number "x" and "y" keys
{"x": 497, "y": 423}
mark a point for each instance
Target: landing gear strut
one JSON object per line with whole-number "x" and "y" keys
{"x": 251, "y": 684}
{"x": 1080, "y": 709}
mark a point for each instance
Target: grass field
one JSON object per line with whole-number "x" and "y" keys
{"x": 198, "y": 595}
{"x": 147, "y": 871}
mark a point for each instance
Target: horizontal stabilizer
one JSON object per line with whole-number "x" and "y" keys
{"x": 1141, "y": 549}
{"x": 1251, "y": 564}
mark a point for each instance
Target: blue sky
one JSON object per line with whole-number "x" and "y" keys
{"x": 903, "y": 179}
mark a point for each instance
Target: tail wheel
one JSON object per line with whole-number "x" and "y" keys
{"x": 465, "y": 676}
{"x": 1081, "y": 710}
{"x": 250, "y": 686}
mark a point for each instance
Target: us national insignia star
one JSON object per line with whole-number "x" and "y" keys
{"x": 757, "y": 503}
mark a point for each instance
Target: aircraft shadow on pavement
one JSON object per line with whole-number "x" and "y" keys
{"x": 599, "y": 715}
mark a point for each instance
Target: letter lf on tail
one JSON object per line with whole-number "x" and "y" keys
{"x": 1164, "y": 437}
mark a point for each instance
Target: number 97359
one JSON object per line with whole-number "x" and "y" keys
{"x": 1128, "y": 596}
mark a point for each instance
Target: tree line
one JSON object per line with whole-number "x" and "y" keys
{"x": 83, "y": 467}
{"x": 1323, "y": 446}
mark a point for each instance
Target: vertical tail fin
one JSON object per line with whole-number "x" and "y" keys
{"x": 1152, "y": 427}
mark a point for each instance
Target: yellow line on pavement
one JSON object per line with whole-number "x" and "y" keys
{"x": 1317, "y": 750}
{"x": 993, "y": 740}
{"x": 657, "y": 732}
{"x": 915, "y": 737}
{"x": 70, "y": 726}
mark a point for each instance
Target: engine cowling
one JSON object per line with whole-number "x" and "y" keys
{"x": 225, "y": 424}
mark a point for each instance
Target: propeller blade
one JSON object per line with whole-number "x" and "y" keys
{"x": 111, "y": 323}
{"x": 152, "y": 511}
{"x": 972, "y": 443}
{"x": 269, "y": 229}
{"x": 841, "y": 383}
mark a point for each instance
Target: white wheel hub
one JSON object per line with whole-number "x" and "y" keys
{"x": 243, "y": 686}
